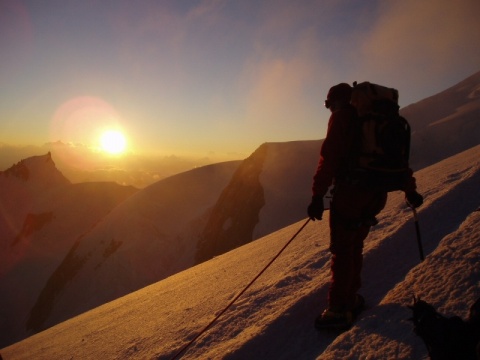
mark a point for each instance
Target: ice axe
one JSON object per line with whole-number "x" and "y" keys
{"x": 417, "y": 228}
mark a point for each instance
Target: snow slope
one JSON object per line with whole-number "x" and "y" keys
{"x": 268, "y": 191}
{"x": 274, "y": 318}
{"x": 446, "y": 123}
{"x": 42, "y": 214}
{"x": 144, "y": 239}
{"x": 154, "y": 233}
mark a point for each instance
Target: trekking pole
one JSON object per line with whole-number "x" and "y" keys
{"x": 239, "y": 294}
{"x": 417, "y": 228}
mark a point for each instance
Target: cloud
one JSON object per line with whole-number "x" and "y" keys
{"x": 424, "y": 39}
{"x": 278, "y": 87}
{"x": 206, "y": 9}
{"x": 281, "y": 74}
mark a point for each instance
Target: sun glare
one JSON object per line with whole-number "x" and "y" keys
{"x": 113, "y": 142}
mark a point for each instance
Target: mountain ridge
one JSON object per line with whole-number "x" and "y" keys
{"x": 446, "y": 123}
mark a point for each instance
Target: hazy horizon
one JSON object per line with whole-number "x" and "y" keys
{"x": 81, "y": 164}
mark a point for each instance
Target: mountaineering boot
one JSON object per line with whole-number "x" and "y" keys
{"x": 340, "y": 320}
{"x": 334, "y": 320}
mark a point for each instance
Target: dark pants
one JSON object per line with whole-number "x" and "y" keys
{"x": 352, "y": 213}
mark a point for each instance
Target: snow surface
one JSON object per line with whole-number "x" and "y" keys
{"x": 149, "y": 234}
{"x": 444, "y": 124}
{"x": 42, "y": 214}
{"x": 274, "y": 318}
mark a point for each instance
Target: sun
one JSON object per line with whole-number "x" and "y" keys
{"x": 113, "y": 142}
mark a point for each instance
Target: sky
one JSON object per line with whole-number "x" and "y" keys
{"x": 215, "y": 77}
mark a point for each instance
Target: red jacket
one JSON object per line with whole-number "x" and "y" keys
{"x": 335, "y": 149}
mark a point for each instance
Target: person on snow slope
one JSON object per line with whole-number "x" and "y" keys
{"x": 352, "y": 211}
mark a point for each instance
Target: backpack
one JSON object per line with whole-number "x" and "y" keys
{"x": 379, "y": 157}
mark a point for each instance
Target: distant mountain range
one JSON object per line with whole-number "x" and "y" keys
{"x": 446, "y": 123}
{"x": 67, "y": 248}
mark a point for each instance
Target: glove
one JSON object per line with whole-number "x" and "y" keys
{"x": 414, "y": 199}
{"x": 315, "y": 209}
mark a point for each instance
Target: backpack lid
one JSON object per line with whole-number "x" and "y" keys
{"x": 365, "y": 95}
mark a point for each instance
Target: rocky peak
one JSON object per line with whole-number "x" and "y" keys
{"x": 40, "y": 170}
